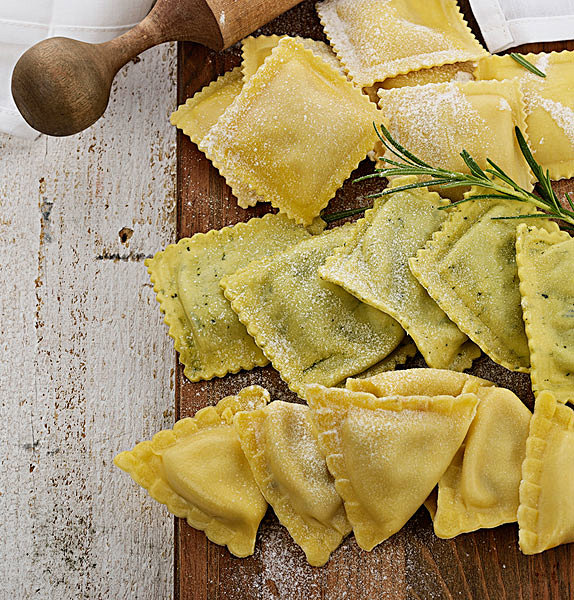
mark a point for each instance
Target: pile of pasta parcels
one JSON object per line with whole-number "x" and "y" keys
{"x": 335, "y": 311}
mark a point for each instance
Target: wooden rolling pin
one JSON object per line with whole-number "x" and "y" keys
{"x": 61, "y": 86}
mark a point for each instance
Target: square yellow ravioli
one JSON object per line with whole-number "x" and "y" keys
{"x": 437, "y": 121}
{"x": 294, "y": 133}
{"x": 375, "y": 40}
{"x": 549, "y": 105}
{"x": 545, "y": 268}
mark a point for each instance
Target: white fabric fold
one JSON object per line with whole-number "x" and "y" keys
{"x": 24, "y": 23}
{"x": 508, "y": 23}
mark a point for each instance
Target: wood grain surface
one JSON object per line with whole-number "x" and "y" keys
{"x": 413, "y": 564}
{"x": 86, "y": 367}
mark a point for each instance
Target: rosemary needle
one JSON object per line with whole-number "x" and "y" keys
{"x": 523, "y": 62}
{"x": 492, "y": 179}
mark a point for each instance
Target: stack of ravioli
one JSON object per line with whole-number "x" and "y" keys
{"x": 337, "y": 311}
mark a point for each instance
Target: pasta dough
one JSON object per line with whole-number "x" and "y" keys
{"x": 456, "y": 72}
{"x": 311, "y": 330}
{"x": 375, "y": 40}
{"x": 547, "y": 288}
{"x": 480, "y": 487}
{"x": 549, "y": 105}
{"x": 373, "y": 266}
{"x": 386, "y": 454}
{"x": 399, "y": 356}
{"x": 418, "y": 382}
{"x": 469, "y": 268}
{"x": 177, "y": 466}
{"x": 208, "y": 335}
{"x": 293, "y": 109}
{"x": 256, "y": 49}
{"x": 282, "y": 449}
{"x": 546, "y": 512}
{"x": 201, "y": 112}
{"x": 437, "y": 121}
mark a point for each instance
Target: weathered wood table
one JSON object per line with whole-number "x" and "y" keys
{"x": 86, "y": 367}
{"x": 413, "y": 563}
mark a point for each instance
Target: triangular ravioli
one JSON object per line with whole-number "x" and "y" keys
{"x": 387, "y": 454}
{"x": 198, "y": 470}
{"x": 281, "y": 446}
{"x": 546, "y": 512}
{"x": 480, "y": 487}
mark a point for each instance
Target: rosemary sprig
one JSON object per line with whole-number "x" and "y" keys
{"x": 344, "y": 214}
{"x": 492, "y": 179}
{"x": 523, "y": 62}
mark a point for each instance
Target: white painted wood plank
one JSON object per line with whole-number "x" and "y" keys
{"x": 86, "y": 365}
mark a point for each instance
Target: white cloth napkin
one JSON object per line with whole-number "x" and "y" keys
{"x": 25, "y": 22}
{"x": 508, "y": 23}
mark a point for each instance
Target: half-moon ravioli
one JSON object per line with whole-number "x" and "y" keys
{"x": 311, "y": 330}
{"x": 545, "y": 268}
{"x": 469, "y": 268}
{"x": 386, "y": 454}
{"x": 546, "y": 512}
{"x": 373, "y": 266}
{"x": 198, "y": 470}
{"x": 207, "y": 333}
{"x": 281, "y": 446}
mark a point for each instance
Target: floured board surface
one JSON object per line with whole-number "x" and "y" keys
{"x": 413, "y": 563}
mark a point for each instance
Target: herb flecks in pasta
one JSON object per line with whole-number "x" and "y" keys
{"x": 177, "y": 468}
{"x": 386, "y": 454}
{"x": 469, "y": 268}
{"x": 546, "y": 511}
{"x": 294, "y": 108}
{"x": 373, "y": 266}
{"x": 545, "y": 262}
{"x": 208, "y": 335}
{"x": 311, "y": 330}
{"x": 376, "y": 40}
{"x": 281, "y": 446}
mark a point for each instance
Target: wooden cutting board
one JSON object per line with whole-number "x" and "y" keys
{"x": 413, "y": 563}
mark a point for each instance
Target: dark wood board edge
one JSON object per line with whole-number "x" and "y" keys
{"x": 486, "y": 564}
